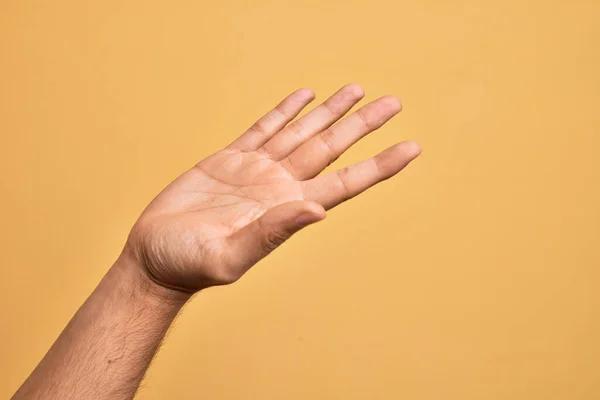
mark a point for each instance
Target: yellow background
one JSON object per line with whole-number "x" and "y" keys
{"x": 472, "y": 275}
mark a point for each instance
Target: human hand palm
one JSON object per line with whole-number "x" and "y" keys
{"x": 233, "y": 208}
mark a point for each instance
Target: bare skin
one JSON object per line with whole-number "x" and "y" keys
{"x": 207, "y": 228}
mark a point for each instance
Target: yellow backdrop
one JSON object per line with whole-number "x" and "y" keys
{"x": 473, "y": 275}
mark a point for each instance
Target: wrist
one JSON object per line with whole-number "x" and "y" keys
{"x": 141, "y": 285}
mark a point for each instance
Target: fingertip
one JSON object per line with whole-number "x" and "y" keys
{"x": 393, "y": 102}
{"x": 306, "y": 93}
{"x": 412, "y": 148}
{"x": 355, "y": 90}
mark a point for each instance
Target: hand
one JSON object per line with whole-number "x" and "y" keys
{"x": 233, "y": 208}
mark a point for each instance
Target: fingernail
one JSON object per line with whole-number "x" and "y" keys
{"x": 307, "y": 219}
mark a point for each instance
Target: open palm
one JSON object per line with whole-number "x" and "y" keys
{"x": 233, "y": 208}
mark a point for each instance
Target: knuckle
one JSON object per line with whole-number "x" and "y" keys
{"x": 326, "y": 137}
{"x": 280, "y": 108}
{"x": 289, "y": 165}
{"x": 365, "y": 119}
{"x": 331, "y": 108}
{"x": 344, "y": 181}
{"x": 263, "y": 125}
{"x": 273, "y": 239}
{"x": 378, "y": 165}
{"x": 259, "y": 126}
{"x": 296, "y": 128}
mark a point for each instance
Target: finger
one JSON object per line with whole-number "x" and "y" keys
{"x": 335, "y": 107}
{"x": 263, "y": 129}
{"x": 336, "y": 187}
{"x": 257, "y": 239}
{"x": 323, "y": 149}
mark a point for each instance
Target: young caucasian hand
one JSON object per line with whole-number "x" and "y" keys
{"x": 233, "y": 208}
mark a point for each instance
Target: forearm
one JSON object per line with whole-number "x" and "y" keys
{"x": 106, "y": 348}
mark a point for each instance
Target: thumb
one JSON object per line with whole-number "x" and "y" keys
{"x": 259, "y": 238}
